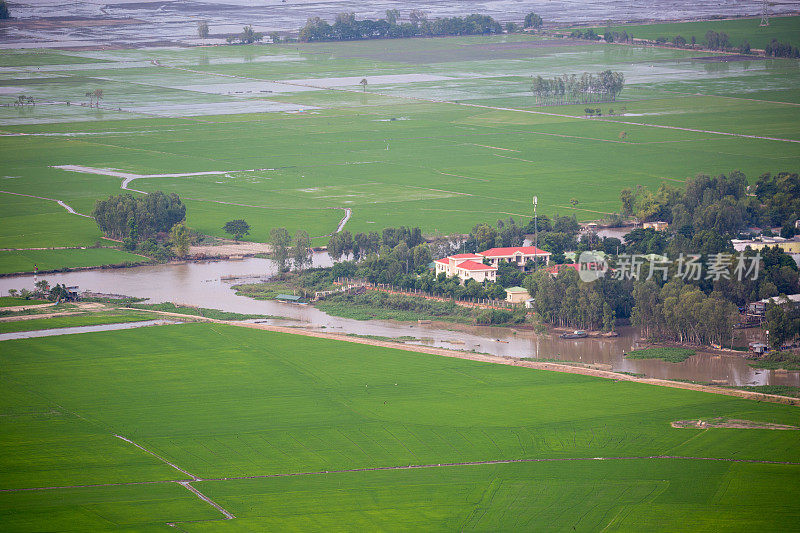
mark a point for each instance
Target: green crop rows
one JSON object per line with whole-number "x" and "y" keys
{"x": 228, "y": 402}
{"x": 447, "y": 133}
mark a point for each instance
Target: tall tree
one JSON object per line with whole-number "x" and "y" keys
{"x": 202, "y": 29}
{"x": 4, "y": 10}
{"x": 237, "y": 228}
{"x": 301, "y": 250}
{"x": 181, "y": 238}
{"x": 532, "y": 20}
{"x": 281, "y": 244}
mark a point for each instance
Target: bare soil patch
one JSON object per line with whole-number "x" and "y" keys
{"x": 730, "y": 424}
{"x": 230, "y": 249}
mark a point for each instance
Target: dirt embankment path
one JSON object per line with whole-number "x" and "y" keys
{"x": 511, "y": 361}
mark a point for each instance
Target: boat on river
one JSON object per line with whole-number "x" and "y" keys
{"x": 577, "y": 334}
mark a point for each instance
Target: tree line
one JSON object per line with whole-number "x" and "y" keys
{"x": 347, "y": 28}
{"x": 573, "y": 89}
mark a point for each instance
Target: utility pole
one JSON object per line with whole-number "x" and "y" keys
{"x": 535, "y": 223}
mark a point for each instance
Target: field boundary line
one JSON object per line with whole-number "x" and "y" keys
{"x": 173, "y": 465}
{"x": 228, "y": 515}
{"x": 59, "y": 202}
{"x": 212, "y": 503}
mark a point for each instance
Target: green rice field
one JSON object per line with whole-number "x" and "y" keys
{"x": 285, "y": 432}
{"x": 445, "y": 135}
{"x": 784, "y": 29}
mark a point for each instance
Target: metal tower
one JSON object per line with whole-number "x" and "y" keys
{"x": 764, "y": 13}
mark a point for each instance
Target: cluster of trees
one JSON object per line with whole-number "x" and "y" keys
{"x": 565, "y": 301}
{"x": 248, "y": 36}
{"x": 608, "y": 36}
{"x": 138, "y": 218}
{"x": 347, "y": 28}
{"x": 23, "y": 100}
{"x": 532, "y": 20}
{"x": 717, "y": 41}
{"x": 573, "y": 89}
{"x": 720, "y": 203}
{"x": 682, "y": 312}
{"x": 783, "y": 323}
{"x": 4, "y": 14}
{"x": 94, "y": 97}
{"x": 42, "y": 291}
{"x": 777, "y": 49}
{"x": 362, "y": 244}
{"x": 286, "y": 248}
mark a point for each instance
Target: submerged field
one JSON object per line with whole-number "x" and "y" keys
{"x": 248, "y": 411}
{"x": 445, "y": 134}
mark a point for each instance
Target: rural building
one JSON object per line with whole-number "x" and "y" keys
{"x": 790, "y": 246}
{"x": 659, "y": 225}
{"x": 517, "y": 295}
{"x": 517, "y": 255}
{"x": 466, "y": 266}
{"x": 760, "y": 307}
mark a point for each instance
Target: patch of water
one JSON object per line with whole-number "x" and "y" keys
{"x": 81, "y": 329}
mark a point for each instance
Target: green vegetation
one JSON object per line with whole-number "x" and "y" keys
{"x": 347, "y": 28}
{"x": 668, "y": 354}
{"x": 11, "y": 301}
{"x": 738, "y": 30}
{"x": 780, "y": 390}
{"x": 47, "y": 260}
{"x": 266, "y": 291}
{"x": 69, "y": 321}
{"x": 297, "y": 159}
{"x": 778, "y": 360}
{"x": 383, "y": 306}
{"x": 221, "y": 401}
{"x": 196, "y": 311}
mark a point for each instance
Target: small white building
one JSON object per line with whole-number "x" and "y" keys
{"x": 466, "y": 266}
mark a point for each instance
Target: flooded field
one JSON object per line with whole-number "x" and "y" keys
{"x": 137, "y": 23}
{"x": 209, "y": 284}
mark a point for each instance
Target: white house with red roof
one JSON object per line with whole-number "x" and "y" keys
{"x": 466, "y": 266}
{"x": 517, "y": 255}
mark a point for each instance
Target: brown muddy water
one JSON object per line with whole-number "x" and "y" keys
{"x": 208, "y": 284}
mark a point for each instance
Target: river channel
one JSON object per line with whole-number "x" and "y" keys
{"x": 208, "y": 284}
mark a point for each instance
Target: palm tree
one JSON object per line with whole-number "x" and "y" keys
{"x": 90, "y": 95}
{"x": 363, "y": 83}
{"x": 98, "y": 95}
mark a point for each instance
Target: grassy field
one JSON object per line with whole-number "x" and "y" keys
{"x": 784, "y": 29}
{"x": 447, "y": 133}
{"x": 671, "y": 355}
{"x": 25, "y": 260}
{"x": 88, "y": 319}
{"x": 10, "y": 301}
{"x": 226, "y": 402}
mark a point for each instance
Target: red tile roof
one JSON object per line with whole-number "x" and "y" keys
{"x": 554, "y": 269}
{"x": 472, "y": 265}
{"x": 504, "y": 252}
{"x": 443, "y": 261}
{"x": 466, "y": 256}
